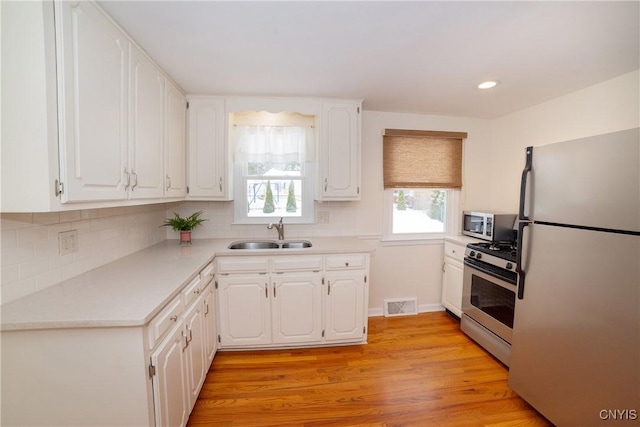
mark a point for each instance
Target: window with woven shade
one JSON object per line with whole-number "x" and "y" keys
{"x": 422, "y": 175}
{"x": 422, "y": 159}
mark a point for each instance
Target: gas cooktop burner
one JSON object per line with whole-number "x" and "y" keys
{"x": 505, "y": 249}
{"x": 502, "y": 246}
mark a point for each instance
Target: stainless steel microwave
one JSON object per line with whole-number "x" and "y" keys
{"x": 494, "y": 227}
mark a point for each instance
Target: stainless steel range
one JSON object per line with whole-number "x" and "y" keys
{"x": 489, "y": 295}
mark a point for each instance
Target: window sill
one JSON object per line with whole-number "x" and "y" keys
{"x": 436, "y": 239}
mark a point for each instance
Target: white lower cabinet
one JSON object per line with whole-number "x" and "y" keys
{"x": 170, "y": 389}
{"x": 147, "y": 375}
{"x": 179, "y": 364}
{"x": 284, "y": 301}
{"x": 296, "y": 308}
{"x": 345, "y": 306}
{"x": 452, "y": 277}
{"x": 244, "y": 309}
{"x": 210, "y": 325}
{"x": 195, "y": 351}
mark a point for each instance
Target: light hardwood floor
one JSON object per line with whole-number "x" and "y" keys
{"x": 415, "y": 371}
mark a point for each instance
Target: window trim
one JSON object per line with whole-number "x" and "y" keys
{"x": 452, "y": 223}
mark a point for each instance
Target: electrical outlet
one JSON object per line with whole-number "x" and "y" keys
{"x": 68, "y": 241}
{"x": 323, "y": 217}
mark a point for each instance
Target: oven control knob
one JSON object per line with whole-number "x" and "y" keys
{"x": 479, "y": 255}
{"x": 472, "y": 254}
{"x": 509, "y": 266}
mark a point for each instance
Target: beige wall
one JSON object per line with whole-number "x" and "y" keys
{"x": 401, "y": 271}
{"x": 606, "y": 107}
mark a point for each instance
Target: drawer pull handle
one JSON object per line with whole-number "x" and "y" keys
{"x": 196, "y": 291}
{"x": 173, "y": 318}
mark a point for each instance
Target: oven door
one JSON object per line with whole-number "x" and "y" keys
{"x": 488, "y": 299}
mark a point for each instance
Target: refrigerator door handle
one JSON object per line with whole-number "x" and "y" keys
{"x": 521, "y": 272}
{"x": 523, "y": 185}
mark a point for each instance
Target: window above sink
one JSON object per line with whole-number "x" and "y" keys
{"x": 273, "y": 166}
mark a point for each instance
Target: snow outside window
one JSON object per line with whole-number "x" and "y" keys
{"x": 419, "y": 213}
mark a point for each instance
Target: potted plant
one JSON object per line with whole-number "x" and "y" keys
{"x": 184, "y": 225}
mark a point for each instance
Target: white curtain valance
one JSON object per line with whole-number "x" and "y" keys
{"x": 274, "y": 143}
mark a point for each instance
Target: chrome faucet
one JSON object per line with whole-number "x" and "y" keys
{"x": 280, "y": 227}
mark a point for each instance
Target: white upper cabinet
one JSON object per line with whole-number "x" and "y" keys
{"x": 95, "y": 105}
{"x": 175, "y": 142}
{"x": 339, "y": 151}
{"x": 208, "y": 152}
{"x": 29, "y": 112}
{"x": 93, "y": 71}
{"x": 146, "y": 145}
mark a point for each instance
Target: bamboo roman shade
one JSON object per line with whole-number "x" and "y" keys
{"x": 422, "y": 159}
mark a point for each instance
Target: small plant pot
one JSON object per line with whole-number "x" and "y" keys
{"x": 185, "y": 237}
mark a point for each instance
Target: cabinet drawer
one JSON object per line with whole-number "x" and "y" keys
{"x": 206, "y": 275}
{"x": 454, "y": 251}
{"x": 192, "y": 290}
{"x": 296, "y": 263}
{"x": 243, "y": 265}
{"x": 345, "y": 262}
{"x": 164, "y": 320}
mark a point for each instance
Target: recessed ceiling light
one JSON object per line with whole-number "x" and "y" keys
{"x": 488, "y": 84}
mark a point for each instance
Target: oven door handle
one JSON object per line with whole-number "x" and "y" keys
{"x": 521, "y": 272}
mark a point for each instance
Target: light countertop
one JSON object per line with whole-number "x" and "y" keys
{"x": 132, "y": 290}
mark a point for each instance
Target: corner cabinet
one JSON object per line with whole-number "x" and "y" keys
{"x": 340, "y": 151}
{"x": 452, "y": 276}
{"x": 209, "y": 161}
{"x": 284, "y": 301}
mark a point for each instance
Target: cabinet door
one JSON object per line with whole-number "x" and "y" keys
{"x": 93, "y": 69}
{"x": 208, "y": 167}
{"x": 297, "y": 308}
{"x": 146, "y": 147}
{"x": 170, "y": 389}
{"x": 340, "y": 151}
{"x": 245, "y": 310}
{"x": 210, "y": 326}
{"x": 195, "y": 351}
{"x": 345, "y": 305}
{"x": 175, "y": 142}
{"x": 452, "y": 285}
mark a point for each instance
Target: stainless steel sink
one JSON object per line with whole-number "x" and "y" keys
{"x": 270, "y": 244}
{"x": 297, "y": 244}
{"x": 254, "y": 245}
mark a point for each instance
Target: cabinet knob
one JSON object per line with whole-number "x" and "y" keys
{"x": 173, "y": 318}
{"x": 346, "y": 264}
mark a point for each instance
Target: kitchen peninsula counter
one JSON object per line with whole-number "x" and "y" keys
{"x": 132, "y": 290}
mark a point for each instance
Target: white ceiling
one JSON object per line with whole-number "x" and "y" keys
{"x": 420, "y": 56}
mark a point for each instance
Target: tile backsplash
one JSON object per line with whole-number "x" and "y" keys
{"x": 341, "y": 221}
{"x": 30, "y": 258}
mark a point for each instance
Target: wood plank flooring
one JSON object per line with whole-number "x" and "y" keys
{"x": 415, "y": 371}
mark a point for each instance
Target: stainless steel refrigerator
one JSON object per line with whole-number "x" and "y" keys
{"x": 576, "y": 336}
